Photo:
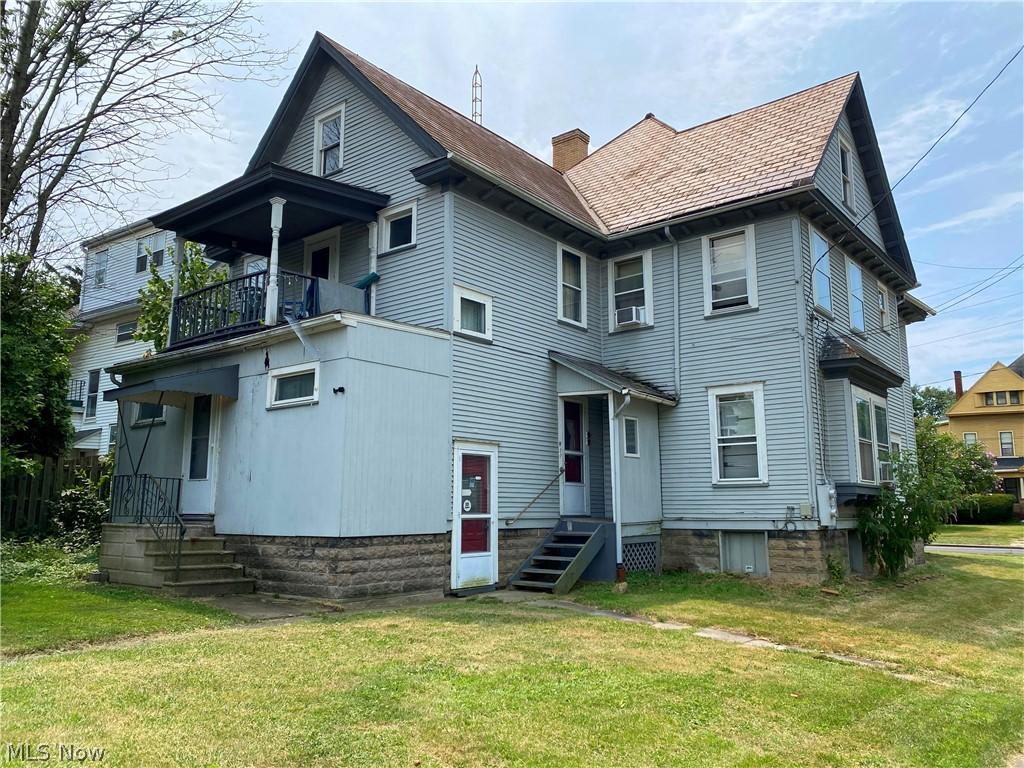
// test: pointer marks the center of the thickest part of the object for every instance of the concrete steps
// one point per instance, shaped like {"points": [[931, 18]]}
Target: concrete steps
{"points": [[210, 587]]}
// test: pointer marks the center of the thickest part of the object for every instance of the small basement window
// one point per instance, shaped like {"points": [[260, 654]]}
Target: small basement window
{"points": [[293, 385], [397, 227], [631, 436], [472, 313]]}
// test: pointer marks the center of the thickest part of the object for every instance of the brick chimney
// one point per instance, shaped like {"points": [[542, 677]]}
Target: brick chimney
{"points": [[568, 149], [958, 384]]}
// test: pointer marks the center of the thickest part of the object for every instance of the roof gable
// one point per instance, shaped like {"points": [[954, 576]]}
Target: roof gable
{"points": [[998, 377]]}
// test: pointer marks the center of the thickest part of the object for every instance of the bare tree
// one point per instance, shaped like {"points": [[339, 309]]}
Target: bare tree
{"points": [[90, 86]]}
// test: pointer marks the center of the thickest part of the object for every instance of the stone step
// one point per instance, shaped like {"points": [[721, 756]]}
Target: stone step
{"points": [[196, 557], [201, 572], [156, 546], [210, 587]]}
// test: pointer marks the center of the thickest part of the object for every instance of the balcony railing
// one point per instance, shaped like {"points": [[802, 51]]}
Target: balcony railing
{"points": [[76, 394], [239, 305]]}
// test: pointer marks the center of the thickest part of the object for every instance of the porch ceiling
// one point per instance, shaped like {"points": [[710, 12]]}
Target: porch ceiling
{"points": [[236, 215]]}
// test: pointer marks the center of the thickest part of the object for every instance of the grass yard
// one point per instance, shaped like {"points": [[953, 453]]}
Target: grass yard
{"points": [[1003, 534], [476, 682]]}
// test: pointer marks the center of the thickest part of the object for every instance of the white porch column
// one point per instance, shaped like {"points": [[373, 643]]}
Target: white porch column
{"points": [[178, 257], [372, 227], [276, 216]]}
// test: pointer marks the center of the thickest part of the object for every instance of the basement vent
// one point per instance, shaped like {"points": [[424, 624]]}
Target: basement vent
{"points": [[640, 556]]}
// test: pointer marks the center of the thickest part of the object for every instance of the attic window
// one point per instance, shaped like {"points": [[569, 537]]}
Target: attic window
{"points": [[330, 135], [846, 170]]}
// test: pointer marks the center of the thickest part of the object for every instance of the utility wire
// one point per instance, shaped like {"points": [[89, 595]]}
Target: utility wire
{"points": [[949, 378], [962, 289], [993, 300], [955, 266], [969, 333], [964, 297]]}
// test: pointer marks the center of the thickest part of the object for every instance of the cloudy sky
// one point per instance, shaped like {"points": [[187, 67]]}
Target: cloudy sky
{"points": [[601, 67]]}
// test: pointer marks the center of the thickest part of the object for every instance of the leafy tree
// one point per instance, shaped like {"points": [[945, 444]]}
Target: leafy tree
{"points": [[155, 296], [932, 401], [35, 345], [939, 455]]}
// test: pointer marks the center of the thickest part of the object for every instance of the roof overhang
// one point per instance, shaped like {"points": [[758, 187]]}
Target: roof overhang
{"points": [[912, 310], [179, 389], [236, 216], [843, 359], [611, 380]]}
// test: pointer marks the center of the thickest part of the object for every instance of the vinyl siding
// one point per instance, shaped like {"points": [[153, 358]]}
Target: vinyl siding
{"points": [[122, 282], [506, 391], [829, 180]]}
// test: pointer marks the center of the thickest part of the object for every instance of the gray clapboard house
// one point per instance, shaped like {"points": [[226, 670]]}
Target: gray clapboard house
{"points": [[441, 363]]}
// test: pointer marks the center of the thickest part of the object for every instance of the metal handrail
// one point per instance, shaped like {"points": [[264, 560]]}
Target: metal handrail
{"points": [[145, 500], [512, 521]]}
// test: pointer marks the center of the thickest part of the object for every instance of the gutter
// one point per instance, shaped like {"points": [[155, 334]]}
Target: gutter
{"points": [[116, 234]]}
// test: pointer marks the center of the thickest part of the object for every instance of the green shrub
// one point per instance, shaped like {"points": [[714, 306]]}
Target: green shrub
{"points": [[47, 561], [985, 508], [81, 509]]}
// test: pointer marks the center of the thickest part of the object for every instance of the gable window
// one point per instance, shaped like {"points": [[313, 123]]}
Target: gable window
{"points": [[1006, 444], [970, 438], [126, 331], [1015, 397], [92, 393], [329, 138], [1000, 398], [630, 292], [883, 308], [855, 294], [738, 449], [872, 424], [148, 413], [472, 313], [149, 249], [846, 170], [99, 270], [630, 436], [397, 226], [293, 385], [822, 271], [572, 287], [730, 272], [990, 398]]}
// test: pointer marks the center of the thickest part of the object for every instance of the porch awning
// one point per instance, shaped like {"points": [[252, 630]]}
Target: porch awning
{"points": [[843, 358], [178, 389], [606, 378]]}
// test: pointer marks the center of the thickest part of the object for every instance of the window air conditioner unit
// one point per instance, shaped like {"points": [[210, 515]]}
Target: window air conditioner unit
{"points": [[629, 316]]}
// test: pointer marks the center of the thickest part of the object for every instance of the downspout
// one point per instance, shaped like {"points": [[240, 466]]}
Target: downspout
{"points": [[805, 364], [613, 444], [675, 307]]}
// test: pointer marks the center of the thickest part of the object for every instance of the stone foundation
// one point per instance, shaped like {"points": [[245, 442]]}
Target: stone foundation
{"points": [[802, 557], [683, 550], [514, 546], [340, 568]]}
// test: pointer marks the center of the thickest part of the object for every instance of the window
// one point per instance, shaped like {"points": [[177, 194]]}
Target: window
{"points": [[822, 271], [1000, 398], [883, 308], [872, 425], [970, 438], [846, 170], [254, 264], [113, 439], [472, 313], [895, 444], [126, 331], [629, 292], [397, 226], [92, 394], [730, 272], [99, 270], [1006, 444], [199, 438], [855, 291], [148, 249], [738, 450], [630, 436], [330, 135], [990, 398], [147, 413], [293, 385], [1015, 397], [572, 287], [320, 256]]}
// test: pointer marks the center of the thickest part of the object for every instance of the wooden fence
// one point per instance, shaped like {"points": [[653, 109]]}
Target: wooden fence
{"points": [[26, 501]]}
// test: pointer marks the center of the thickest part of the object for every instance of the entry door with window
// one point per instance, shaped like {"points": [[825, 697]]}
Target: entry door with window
{"points": [[474, 518], [198, 457], [574, 444]]}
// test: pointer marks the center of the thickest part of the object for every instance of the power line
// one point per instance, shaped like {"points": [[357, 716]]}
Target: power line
{"points": [[961, 335], [955, 266], [964, 297], [993, 300], [949, 378], [931, 297]]}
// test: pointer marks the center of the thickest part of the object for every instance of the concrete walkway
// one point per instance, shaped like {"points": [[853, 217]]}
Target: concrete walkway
{"points": [[975, 549]]}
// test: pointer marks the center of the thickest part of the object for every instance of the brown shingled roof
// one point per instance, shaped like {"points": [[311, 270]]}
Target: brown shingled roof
{"points": [[652, 173], [466, 139]]}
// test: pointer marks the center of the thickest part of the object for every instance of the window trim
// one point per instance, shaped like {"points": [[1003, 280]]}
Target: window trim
{"points": [[648, 273], [251, 259], [625, 442], [582, 322], [117, 332], [90, 394], [970, 433], [150, 240], [873, 400], [850, 266], [287, 372], [1006, 397], [757, 388], [138, 421], [461, 292], [1013, 447], [827, 263], [318, 120], [848, 178], [328, 238], [751, 254], [99, 275], [884, 307], [386, 216]]}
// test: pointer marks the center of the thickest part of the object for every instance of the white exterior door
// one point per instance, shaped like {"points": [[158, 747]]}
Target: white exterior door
{"points": [[574, 458], [198, 462], [475, 517]]}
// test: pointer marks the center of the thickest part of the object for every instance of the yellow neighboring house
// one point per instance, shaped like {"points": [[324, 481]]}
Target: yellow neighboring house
{"points": [[991, 413]]}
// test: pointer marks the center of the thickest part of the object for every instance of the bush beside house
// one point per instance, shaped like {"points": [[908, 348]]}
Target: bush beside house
{"points": [[982, 508]]}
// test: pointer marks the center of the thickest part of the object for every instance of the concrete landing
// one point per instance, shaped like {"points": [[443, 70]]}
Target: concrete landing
{"points": [[259, 607]]}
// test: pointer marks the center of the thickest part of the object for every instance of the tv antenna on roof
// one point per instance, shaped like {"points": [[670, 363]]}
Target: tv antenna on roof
{"points": [[478, 97]]}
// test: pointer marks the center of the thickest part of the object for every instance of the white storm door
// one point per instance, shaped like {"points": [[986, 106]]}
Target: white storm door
{"points": [[475, 517], [198, 457], [574, 444]]}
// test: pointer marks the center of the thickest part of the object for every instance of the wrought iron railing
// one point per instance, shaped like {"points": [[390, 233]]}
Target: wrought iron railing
{"points": [[76, 393], [152, 501], [219, 309]]}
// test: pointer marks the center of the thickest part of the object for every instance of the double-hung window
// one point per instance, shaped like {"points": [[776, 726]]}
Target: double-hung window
{"points": [[572, 287], [738, 447], [125, 331], [397, 227], [1006, 444], [855, 294], [873, 446], [329, 141], [630, 436], [1000, 398], [846, 171], [92, 394], [149, 249], [884, 321], [472, 313], [99, 269], [822, 271], [970, 438], [293, 385], [630, 292], [730, 271]]}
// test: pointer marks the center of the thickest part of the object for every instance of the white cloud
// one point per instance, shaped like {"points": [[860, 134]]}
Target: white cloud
{"points": [[997, 208], [939, 182]]}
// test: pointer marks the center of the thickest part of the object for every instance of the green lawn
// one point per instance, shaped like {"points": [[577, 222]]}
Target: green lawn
{"points": [[475, 682], [1005, 534]]}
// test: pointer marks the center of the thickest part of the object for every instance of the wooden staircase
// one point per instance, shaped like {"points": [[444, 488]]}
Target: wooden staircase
{"points": [[559, 561]]}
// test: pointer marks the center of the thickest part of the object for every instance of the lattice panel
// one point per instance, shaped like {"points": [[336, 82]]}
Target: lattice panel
{"points": [[640, 556]]}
